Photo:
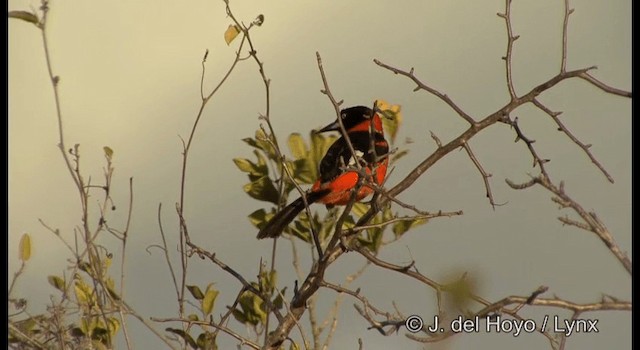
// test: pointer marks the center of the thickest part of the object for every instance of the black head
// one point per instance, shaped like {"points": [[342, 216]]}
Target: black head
{"points": [[351, 117]]}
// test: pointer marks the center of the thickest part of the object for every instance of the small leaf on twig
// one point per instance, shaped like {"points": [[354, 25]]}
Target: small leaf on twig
{"points": [[184, 335], [196, 292], [297, 146], [231, 33], [25, 16], [209, 299], [392, 117], [108, 152], [263, 189], [25, 247], [56, 282]]}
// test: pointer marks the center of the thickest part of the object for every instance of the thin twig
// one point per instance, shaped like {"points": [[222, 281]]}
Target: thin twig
{"points": [[510, 40], [604, 87], [537, 160], [485, 175], [565, 30], [584, 147], [422, 86]]}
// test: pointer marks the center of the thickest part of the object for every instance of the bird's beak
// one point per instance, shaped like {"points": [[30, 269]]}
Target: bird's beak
{"points": [[335, 126]]}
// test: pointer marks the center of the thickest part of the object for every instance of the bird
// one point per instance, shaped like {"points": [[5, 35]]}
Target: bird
{"points": [[338, 174]]}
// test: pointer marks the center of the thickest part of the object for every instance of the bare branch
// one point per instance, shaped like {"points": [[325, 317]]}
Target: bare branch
{"points": [[604, 87], [537, 160], [422, 86], [485, 175], [510, 40], [584, 147], [565, 30]]}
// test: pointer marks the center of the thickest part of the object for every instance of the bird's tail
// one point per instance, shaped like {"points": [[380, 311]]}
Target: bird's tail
{"points": [[284, 217]]}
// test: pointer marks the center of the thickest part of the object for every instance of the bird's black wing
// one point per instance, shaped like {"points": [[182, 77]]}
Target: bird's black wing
{"points": [[339, 155]]}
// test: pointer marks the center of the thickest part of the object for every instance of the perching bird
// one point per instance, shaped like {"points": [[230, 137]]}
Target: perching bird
{"points": [[336, 181]]}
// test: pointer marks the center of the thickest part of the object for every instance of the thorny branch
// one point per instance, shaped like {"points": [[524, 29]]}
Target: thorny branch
{"points": [[591, 221], [485, 175]]}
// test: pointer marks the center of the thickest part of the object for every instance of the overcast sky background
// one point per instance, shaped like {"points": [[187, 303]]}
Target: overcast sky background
{"points": [[130, 79]]}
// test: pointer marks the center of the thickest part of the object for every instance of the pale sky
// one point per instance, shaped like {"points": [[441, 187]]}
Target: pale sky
{"points": [[130, 79]]}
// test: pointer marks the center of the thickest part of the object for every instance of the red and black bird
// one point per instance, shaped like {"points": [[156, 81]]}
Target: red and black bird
{"points": [[336, 182]]}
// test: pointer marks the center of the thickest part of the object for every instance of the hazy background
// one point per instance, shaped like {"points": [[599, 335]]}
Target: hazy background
{"points": [[130, 79]]}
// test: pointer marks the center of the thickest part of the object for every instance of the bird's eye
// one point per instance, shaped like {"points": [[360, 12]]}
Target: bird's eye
{"points": [[343, 115]]}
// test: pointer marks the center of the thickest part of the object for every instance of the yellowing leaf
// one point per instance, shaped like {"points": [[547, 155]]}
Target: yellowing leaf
{"points": [[244, 165], [56, 282], [297, 146], [400, 227], [108, 152], [262, 189], [113, 326], [231, 33], [24, 248], [392, 117], [84, 294], [196, 292], [260, 217], [209, 300]]}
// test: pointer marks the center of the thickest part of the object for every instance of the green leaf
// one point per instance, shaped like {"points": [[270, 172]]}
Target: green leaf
{"points": [[294, 346], [206, 341], [184, 336], [401, 227], [209, 300], [268, 280], [262, 163], [24, 248], [113, 326], [359, 209], [244, 165], [258, 310], [193, 317], [319, 146], [56, 282], [239, 316], [108, 152], [301, 229], [196, 292], [278, 302], [264, 144], [297, 146], [303, 170], [263, 189], [260, 217], [25, 16], [461, 290], [84, 293], [251, 142], [396, 156]]}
